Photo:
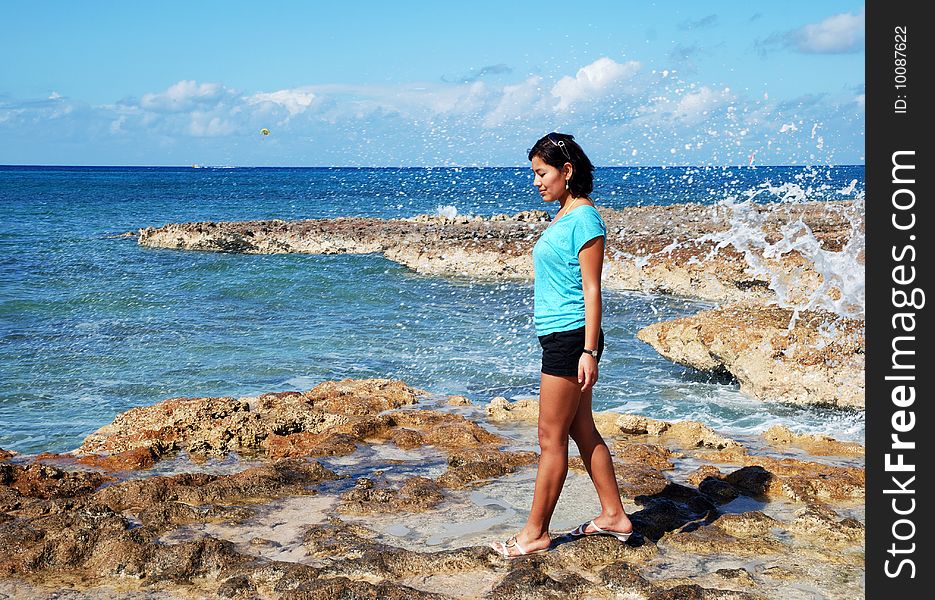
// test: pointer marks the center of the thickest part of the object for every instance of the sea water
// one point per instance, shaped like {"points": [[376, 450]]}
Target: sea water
{"points": [[91, 324]]}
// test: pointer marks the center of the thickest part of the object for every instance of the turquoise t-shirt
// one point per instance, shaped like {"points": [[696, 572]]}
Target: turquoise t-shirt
{"points": [[559, 297]]}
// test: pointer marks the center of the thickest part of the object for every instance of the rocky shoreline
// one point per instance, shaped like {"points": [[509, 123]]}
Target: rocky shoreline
{"points": [[374, 489], [807, 356]]}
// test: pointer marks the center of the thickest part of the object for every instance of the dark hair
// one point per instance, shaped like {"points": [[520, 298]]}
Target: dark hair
{"points": [[556, 149]]}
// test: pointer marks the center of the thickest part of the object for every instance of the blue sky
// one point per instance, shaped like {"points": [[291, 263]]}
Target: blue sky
{"points": [[419, 83]]}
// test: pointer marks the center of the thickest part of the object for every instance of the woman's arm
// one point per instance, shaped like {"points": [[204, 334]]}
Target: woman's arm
{"points": [[591, 257]]}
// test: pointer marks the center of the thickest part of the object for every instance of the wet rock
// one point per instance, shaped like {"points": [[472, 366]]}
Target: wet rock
{"points": [[703, 472], [6, 455], [659, 249], [238, 586], [529, 580], [37, 480], [800, 481], [804, 365], [444, 430], [671, 509], [362, 397], [821, 525], [748, 524], [711, 540], [696, 592], [342, 588], [650, 455], [632, 479], [501, 409], [324, 421], [415, 495], [304, 443], [458, 401], [354, 551], [819, 445], [592, 553], [623, 580], [738, 576], [128, 460], [466, 467], [718, 490], [751, 481], [287, 477]]}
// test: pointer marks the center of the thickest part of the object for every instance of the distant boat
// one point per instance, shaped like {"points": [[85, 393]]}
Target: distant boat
{"points": [[197, 166]]}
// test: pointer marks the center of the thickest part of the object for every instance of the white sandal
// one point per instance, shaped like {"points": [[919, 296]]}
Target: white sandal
{"points": [[582, 531], [503, 548]]}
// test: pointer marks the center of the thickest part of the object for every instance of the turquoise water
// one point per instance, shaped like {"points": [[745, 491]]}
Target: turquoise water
{"points": [[92, 324]]}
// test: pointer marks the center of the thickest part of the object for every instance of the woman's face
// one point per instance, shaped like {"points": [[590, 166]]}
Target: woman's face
{"points": [[548, 180]]}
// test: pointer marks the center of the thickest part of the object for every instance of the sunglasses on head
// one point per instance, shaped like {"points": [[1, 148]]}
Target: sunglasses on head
{"points": [[560, 143]]}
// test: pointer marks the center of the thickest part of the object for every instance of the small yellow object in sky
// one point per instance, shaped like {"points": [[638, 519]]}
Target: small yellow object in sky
{"points": [[264, 131]]}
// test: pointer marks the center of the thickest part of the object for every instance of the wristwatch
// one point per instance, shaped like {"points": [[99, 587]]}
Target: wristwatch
{"points": [[591, 352]]}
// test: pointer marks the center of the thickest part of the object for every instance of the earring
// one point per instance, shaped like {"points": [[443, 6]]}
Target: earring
{"points": [[566, 184]]}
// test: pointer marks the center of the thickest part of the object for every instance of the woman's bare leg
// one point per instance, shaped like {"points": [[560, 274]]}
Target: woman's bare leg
{"points": [[558, 403], [597, 460]]}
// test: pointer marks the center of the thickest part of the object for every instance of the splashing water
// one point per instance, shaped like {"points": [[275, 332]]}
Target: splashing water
{"points": [[840, 273], [447, 211]]}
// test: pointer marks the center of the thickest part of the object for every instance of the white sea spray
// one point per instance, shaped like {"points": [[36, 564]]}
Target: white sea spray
{"points": [[447, 211]]}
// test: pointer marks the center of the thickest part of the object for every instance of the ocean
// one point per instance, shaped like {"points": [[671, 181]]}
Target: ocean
{"points": [[91, 324]]}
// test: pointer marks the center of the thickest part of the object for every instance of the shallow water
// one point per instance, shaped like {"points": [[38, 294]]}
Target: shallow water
{"points": [[91, 325]]}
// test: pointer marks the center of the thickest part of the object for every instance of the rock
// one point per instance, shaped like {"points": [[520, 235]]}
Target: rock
{"points": [[638, 424], [821, 525], [528, 580], [415, 495], [458, 401], [446, 430], [129, 460], [819, 445], [501, 409], [650, 455], [633, 479], [708, 540], [748, 524], [623, 579], [362, 397], [703, 472], [696, 592], [340, 588], [286, 477], [669, 510], [467, 467], [304, 443], [796, 480], [6, 455], [325, 421], [739, 576], [754, 344], [37, 480], [660, 249]]}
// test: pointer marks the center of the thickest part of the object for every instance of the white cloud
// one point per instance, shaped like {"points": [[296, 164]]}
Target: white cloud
{"points": [[295, 101], [699, 104], [206, 125], [592, 81], [614, 108], [516, 102], [183, 96], [837, 34]]}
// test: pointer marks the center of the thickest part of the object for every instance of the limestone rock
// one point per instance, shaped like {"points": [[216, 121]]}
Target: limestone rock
{"points": [[804, 365]]}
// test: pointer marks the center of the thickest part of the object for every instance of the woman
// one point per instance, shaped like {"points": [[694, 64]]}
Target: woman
{"points": [[568, 259]]}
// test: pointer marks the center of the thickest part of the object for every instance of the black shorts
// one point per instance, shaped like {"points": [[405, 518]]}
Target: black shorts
{"points": [[562, 349]]}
